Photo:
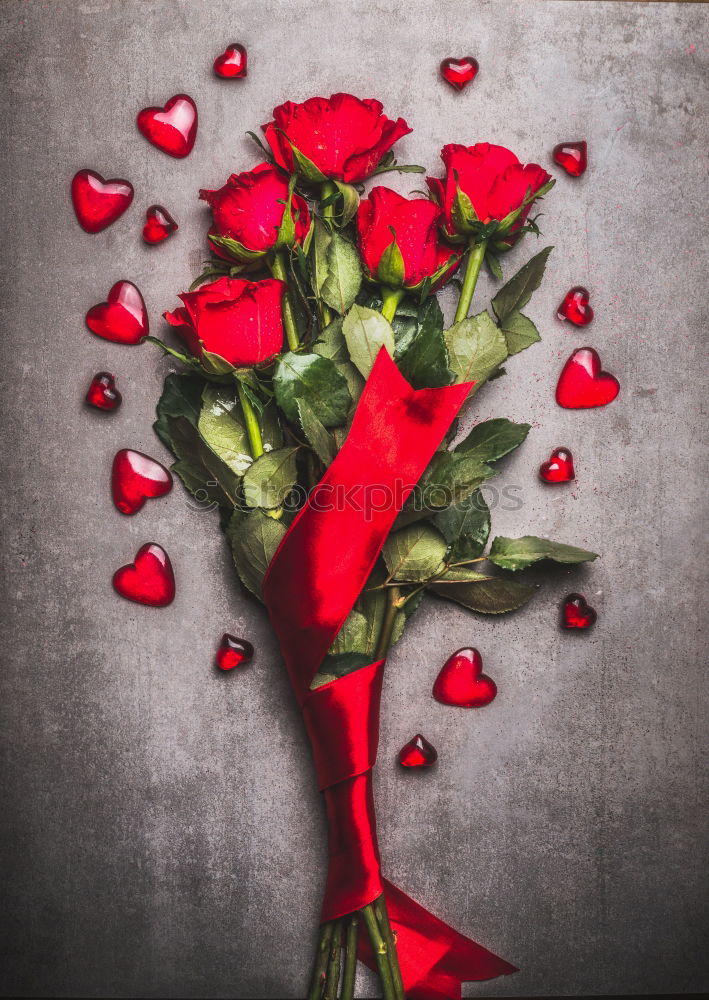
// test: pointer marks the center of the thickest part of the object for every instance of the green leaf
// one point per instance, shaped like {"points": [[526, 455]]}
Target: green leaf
{"points": [[466, 527], [318, 254], [352, 637], [344, 274], [189, 446], [492, 439], [414, 553], [461, 574], [518, 553], [322, 442], [366, 331], [338, 665], [316, 380], [331, 344], [519, 332], [476, 346], [450, 478], [488, 597], [200, 484], [254, 538], [391, 269], [271, 433], [181, 397], [424, 358], [518, 291], [350, 202], [270, 479], [221, 427]]}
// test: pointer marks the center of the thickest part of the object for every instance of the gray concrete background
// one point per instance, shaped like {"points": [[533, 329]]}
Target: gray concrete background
{"points": [[162, 835]]}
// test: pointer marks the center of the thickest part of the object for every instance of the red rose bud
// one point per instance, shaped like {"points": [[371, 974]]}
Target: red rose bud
{"points": [[248, 214], [399, 240], [484, 184], [341, 139], [232, 323]]}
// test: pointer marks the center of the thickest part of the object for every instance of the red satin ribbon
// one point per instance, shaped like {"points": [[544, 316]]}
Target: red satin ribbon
{"points": [[311, 586]]}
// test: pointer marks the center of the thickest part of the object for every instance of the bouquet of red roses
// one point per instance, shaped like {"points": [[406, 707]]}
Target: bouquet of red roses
{"points": [[317, 412]]}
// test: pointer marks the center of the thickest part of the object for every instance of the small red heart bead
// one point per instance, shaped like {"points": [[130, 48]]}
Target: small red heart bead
{"points": [[233, 652], [572, 156], [418, 752], [231, 64], [459, 72], [575, 307], [576, 613], [559, 468], [462, 682], [173, 129], [123, 318], [135, 478], [97, 202], [159, 224], [102, 392], [149, 579], [582, 384]]}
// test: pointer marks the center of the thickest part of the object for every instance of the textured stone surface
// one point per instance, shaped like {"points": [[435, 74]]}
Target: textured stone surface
{"points": [[161, 831]]}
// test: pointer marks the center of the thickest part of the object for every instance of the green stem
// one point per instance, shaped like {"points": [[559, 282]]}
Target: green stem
{"points": [[322, 955], [251, 420], [380, 908], [475, 259], [350, 968], [380, 952], [385, 634], [390, 301], [333, 965], [279, 270]]}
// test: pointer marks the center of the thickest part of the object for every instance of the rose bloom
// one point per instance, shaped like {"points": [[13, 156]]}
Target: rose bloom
{"points": [[494, 180], [343, 138], [385, 216], [237, 320], [249, 210]]}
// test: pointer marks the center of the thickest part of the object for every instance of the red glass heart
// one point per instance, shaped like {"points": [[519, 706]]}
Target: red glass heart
{"points": [[231, 64], [103, 393], [582, 384], [233, 652], [418, 752], [462, 682], [123, 318], [149, 579], [459, 72], [173, 129], [572, 156], [575, 307], [97, 202], [576, 613], [559, 468], [159, 224], [135, 478]]}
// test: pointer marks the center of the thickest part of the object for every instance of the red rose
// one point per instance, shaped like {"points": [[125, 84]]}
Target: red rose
{"points": [[341, 139], [400, 242], [248, 212], [492, 181], [239, 321]]}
